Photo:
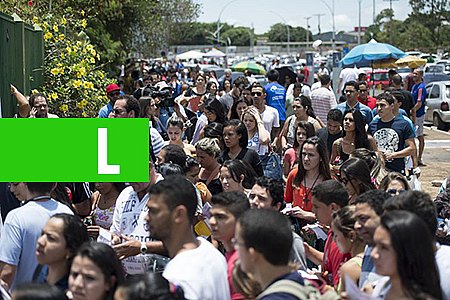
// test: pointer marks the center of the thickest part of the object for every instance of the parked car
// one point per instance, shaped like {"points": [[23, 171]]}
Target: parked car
{"points": [[437, 104], [234, 75], [379, 78]]}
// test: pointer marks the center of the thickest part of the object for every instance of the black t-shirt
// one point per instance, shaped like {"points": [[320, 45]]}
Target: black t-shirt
{"points": [[390, 137], [8, 201], [248, 155], [327, 138], [408, 102]]}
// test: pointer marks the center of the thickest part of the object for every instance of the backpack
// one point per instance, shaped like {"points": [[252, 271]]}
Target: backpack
{"points": [[302, 292]]}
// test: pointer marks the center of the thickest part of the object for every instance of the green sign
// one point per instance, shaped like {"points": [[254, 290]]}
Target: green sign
{"points": [[74, 150]]}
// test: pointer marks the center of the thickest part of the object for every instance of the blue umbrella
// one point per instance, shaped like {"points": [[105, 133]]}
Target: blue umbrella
{"points": [[365, 55]]}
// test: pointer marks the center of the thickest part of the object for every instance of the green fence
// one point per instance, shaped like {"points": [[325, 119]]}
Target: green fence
{"points": [[21, 60]]}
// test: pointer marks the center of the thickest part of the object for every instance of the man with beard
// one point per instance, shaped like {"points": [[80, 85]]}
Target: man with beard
{"points": [[195, 264]]}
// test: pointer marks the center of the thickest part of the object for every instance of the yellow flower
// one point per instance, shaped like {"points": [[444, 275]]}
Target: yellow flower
{"points": [[64, 108], [54, 71], [34, 92], [48, 36], [88, 85], [54, 96], [84, 101], [82, 71], [98, 56], [77, 83], [82, 13], [93, 52], [55, 28], [92, 60], [83, 23], [63, 21], [63, 56], [84, 114], [80, 105], [69, 50], [35, 19], [102, 75], [61, 37]]}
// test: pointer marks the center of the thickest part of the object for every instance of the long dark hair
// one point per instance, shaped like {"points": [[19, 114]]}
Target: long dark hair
{"points": [[309, 128], [361, 139], [240, 128], [324, 165], [74, 232], [356, 168], [216, 107], [236, 168], [234, 114], [305, 101], [413, 244], [105, 258]]}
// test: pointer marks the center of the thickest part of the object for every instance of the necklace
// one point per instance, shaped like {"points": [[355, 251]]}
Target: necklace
{"points": [[308, 191]]}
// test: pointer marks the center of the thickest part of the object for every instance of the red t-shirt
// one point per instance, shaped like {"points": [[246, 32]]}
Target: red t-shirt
{"points": [[333, 259], [297, 195], [231, 258], [370, 102]]}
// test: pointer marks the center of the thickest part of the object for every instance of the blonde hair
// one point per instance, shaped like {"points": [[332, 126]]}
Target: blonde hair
{"points": [[209, 145]]}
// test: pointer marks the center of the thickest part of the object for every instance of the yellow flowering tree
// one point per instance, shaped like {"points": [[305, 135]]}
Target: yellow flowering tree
{"points": [[74, 80]]}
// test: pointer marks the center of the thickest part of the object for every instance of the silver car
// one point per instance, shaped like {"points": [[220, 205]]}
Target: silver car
{"points": [[437, 105]]}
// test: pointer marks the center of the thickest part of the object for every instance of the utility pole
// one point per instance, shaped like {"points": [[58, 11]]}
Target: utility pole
{"points": [[390, 25], [307, 31], [359, 22], [373, 12], [318, 21]]}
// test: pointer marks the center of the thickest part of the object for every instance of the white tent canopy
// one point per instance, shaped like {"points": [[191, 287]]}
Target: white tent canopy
{"points": [[192, 54], [214, 53]]}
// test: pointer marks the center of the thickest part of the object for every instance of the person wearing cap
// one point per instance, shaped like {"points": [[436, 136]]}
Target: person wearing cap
{"points": [[112, 92]]}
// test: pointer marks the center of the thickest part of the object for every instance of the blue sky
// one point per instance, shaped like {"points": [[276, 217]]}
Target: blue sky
{"points": [[260, 13]]}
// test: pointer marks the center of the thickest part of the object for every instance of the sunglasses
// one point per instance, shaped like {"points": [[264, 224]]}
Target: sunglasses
{"points": [[363, 91], [118, 111], [395, 191], [257, 94], [117, 93]]}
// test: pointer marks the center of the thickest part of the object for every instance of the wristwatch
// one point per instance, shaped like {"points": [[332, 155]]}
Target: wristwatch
{"points": [[144, 248]]}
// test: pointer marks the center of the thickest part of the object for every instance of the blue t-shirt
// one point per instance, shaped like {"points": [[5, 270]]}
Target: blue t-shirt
{"points": [[419, 91], [364, 109], [20, 234], [294, 276], [276, 97], [390, 137], [105, 110]]}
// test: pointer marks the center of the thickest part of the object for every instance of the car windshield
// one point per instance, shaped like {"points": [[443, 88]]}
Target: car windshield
{"points": [[379, 76]]}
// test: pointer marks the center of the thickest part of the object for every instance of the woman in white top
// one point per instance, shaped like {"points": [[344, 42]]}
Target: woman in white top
{"points": [[303, 111], [258, 136]]}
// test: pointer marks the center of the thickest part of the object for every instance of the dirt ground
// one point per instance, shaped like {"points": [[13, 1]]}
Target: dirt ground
{"points": [[437, 162]]}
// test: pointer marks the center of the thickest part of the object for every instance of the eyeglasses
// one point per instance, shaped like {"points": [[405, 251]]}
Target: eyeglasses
{"points": [[349, 91], [257, 94], [117, 111]]}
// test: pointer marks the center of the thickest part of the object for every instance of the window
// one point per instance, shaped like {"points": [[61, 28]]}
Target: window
{"points": [[435, 91], [447, 91]]}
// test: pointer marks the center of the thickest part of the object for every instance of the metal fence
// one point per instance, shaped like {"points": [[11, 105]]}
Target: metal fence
{"points": [[21, 60]]}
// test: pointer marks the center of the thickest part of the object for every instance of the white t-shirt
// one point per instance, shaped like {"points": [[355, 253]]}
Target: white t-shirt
{"points": [[270, 118], [129, 220], [348, 74], [442, 256], [201, 272], [20, 232]]}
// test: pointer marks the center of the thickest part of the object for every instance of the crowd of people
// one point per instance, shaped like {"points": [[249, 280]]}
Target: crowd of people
{"points": [[254, 192]]}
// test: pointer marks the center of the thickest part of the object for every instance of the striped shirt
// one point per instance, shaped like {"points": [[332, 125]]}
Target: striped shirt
{"points": [[322, 101]]}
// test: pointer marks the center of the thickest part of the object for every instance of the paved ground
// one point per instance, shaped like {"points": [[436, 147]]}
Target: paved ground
{"points": [[436, 157]]}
